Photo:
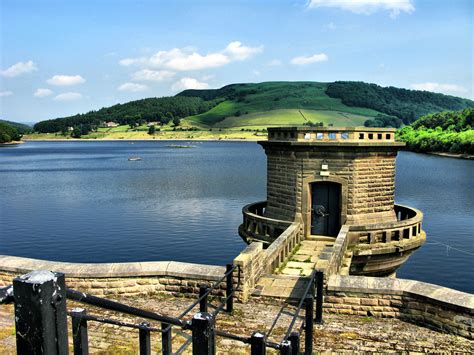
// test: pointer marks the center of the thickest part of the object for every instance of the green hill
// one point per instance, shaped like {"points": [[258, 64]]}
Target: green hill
{"points": [[256, 106], [20, 127], [8, 133]]}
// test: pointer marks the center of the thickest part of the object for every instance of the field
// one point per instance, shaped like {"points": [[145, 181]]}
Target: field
{"points": [[283, 100], [291, 117]]}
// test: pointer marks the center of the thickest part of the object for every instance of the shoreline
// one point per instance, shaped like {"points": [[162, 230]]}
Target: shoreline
{"points": [[11, 143], [452, 155], [144, 140]]}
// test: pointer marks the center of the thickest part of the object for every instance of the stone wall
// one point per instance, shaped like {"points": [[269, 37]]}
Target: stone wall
{"points": [[338, 252], [367, 176], [127, 279], [425, 304], [254, 261]]}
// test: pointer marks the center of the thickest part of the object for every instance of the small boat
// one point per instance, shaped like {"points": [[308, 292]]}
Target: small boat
{"points": [[134, 158], [180, 146]]}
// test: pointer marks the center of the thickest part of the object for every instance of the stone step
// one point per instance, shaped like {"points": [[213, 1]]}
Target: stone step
{"points": [[321, 238]]}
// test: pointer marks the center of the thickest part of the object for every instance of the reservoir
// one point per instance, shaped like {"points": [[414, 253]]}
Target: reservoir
{"points": [[85, 201]]}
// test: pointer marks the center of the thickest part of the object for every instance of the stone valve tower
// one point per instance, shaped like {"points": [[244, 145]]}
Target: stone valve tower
{"points": [[330, 177]]}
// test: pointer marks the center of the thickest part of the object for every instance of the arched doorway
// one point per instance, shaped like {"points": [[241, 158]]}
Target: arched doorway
{"points": [[325, 208]]}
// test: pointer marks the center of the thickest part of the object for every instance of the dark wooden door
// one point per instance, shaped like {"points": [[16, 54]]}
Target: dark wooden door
{"points": [[325, 208]]}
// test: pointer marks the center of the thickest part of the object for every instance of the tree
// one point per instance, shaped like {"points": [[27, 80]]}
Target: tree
{"points": [[152, 130], [8, 133], [176, 121]]}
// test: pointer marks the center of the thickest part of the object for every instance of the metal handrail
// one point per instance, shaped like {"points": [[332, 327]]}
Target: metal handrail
{"points": [[6, 295], [120, 307], [310, 284]]}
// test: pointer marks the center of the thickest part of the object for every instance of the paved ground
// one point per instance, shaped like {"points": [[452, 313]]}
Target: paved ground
{"points": [[307, 257], [339, 333]]}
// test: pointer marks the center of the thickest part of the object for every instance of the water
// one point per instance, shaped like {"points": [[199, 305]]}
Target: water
{"points": [[85, 202]]}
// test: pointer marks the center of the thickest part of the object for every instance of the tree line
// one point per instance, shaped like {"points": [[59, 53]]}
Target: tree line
{"points": [[451, 132], [8, 133], [406, 105], [162, 110]]}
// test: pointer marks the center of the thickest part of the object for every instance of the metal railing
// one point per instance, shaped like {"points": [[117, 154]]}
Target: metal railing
{"points": [[41, 317]]}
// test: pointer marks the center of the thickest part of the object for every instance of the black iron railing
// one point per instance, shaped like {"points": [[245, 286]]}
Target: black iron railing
{"points": [[41, 317]]}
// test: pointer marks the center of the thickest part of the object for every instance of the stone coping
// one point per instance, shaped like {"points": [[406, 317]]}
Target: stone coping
{"points": [[340, 144], [453, 299], [112, 270], [334, 129], [416, 218]]}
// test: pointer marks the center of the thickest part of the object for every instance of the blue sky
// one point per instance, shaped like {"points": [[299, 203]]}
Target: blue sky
{"points": [[60, 58]]}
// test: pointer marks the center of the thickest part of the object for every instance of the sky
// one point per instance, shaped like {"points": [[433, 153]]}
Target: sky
{"points": [[60, 58]]}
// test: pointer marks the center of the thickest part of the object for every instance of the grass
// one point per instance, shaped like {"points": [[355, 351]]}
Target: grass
{"points": [[291, 117], [205, 134], [253, 100]]}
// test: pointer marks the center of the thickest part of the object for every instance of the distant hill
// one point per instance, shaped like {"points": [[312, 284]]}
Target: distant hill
{"points": [[8, 133], [242, 106], [20, 127]]}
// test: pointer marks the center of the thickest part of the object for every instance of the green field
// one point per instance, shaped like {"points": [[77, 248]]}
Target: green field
{"points": [[289, 117], [275, 102]]}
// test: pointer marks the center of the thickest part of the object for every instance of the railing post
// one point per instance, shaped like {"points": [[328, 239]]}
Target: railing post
{"points": [[229, 288], [40, 313], [203, 302], [285, 347], [308, 325], [319, 297], [258, 345], [203, 334], [166, 344], [79, 331], [144, 339], [294, 339]]}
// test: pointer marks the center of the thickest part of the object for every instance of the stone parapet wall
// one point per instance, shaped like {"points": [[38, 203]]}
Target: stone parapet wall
{"points": [[254, 261], [425, 304], [126, 279], [338, 252]]}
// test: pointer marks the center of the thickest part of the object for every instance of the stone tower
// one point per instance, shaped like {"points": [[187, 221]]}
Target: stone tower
{"points": [[329, 177]]}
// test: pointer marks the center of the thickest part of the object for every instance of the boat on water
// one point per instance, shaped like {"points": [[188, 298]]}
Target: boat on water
{"points": [[134, 158], [178, 146]]}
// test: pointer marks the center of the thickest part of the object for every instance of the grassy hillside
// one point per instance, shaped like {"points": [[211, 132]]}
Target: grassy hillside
{"points": [[246, 102], [257, 106]]}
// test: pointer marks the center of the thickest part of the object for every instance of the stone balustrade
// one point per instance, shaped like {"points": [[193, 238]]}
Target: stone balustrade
{"points": [[255, 261], [407, 226], [257, 227], [333, 135]]}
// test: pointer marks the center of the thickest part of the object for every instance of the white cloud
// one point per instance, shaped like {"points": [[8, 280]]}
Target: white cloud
{"points": [[132, 87], [19, 68], [188, 58], [176, 59], [367, 7], [189, 83], [68, 96], [5, 93], [65, 80], [437, 87], [238, 51], [152, 75], [274, 63], [42, 93], [315, 58]]}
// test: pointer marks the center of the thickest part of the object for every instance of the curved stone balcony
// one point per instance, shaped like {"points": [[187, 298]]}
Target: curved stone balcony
{"points": [[257, 227], [379, 249]]}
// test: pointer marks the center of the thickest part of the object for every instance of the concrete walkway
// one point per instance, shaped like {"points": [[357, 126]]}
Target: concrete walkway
{"points": [[290, 281], [308, 256]]}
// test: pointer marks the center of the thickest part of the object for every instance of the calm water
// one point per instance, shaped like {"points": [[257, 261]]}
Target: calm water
{"points": [[85, 202]]}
